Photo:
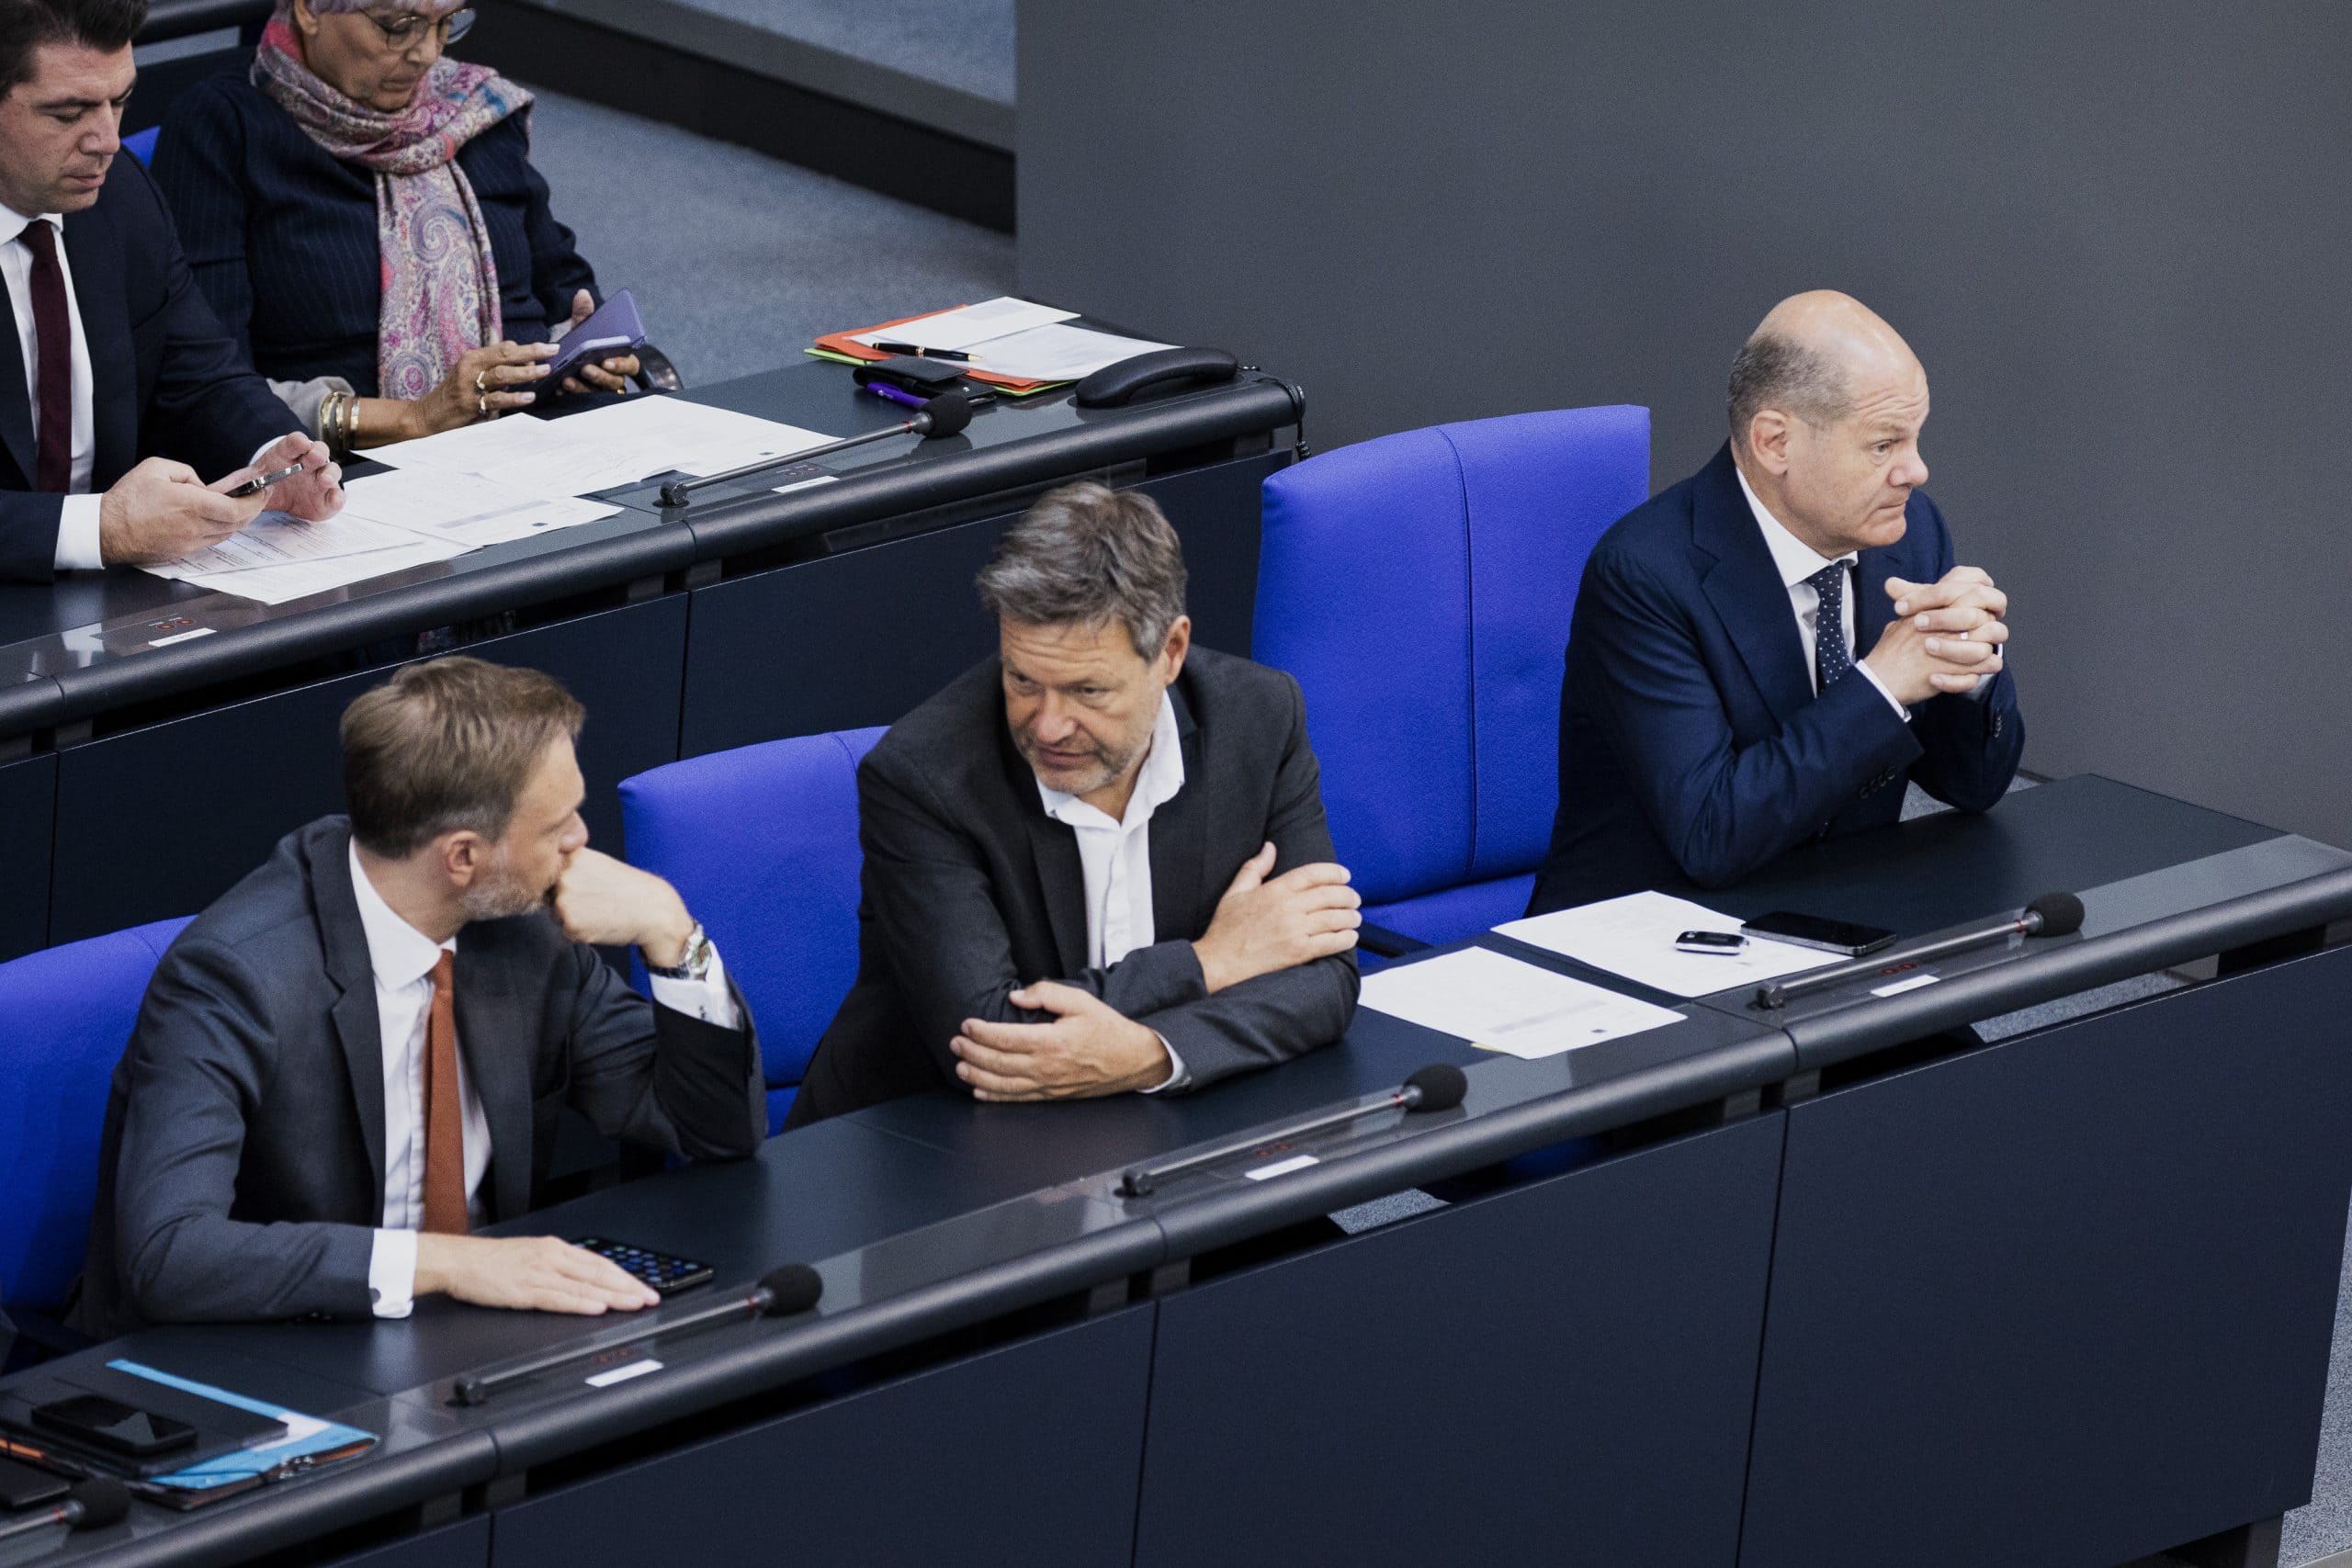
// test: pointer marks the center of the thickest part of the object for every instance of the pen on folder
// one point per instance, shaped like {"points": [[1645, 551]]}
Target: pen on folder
{"points": [[926, 353]]}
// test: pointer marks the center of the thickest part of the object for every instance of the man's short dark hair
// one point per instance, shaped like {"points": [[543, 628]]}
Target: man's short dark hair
{"points": [[26, 25], [1774, 371], [1087, 555], [94, 24], [448, 747]]}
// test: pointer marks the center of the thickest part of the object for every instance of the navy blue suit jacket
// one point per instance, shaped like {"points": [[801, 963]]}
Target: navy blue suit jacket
{"points": [[166, 380], [1692, 747]]}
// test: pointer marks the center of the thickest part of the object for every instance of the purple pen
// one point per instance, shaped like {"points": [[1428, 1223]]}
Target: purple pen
{"points": [[896, 394]]}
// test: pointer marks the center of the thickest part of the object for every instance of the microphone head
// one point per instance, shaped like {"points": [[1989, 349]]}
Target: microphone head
{"points": [[2062, 914], [791, 1288], [103, 1502], [1441, 1084], [949, 412]]}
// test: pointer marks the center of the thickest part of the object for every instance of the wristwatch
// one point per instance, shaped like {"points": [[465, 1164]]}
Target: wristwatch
{"points": [[698, 960]]}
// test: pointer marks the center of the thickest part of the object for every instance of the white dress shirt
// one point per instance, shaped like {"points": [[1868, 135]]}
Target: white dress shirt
{"points": [[1797, 561], [1116, 857], [404, 959], [77, 531]]}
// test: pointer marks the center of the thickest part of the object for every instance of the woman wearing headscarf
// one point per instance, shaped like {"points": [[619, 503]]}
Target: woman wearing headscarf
{"points": [[362, 211]]}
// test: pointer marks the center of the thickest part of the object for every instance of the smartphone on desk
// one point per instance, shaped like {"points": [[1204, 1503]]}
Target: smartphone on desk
{"points": [[1724, 943], [112, 1426], [1848, 937]]}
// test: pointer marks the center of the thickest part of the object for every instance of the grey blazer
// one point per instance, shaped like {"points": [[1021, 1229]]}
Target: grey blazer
{"points": [[242, 1160], [971, 891]]}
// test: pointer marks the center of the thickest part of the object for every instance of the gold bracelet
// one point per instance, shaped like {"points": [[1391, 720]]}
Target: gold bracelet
{"points": [[326, 418], [351, 426]]}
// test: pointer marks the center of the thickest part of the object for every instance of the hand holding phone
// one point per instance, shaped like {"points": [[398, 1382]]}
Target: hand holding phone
{"points": [[261, 482]]}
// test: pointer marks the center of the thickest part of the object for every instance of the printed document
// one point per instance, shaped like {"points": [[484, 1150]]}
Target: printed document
{"points": [[968, 326], [1498, 1003], [463, 507], [1634, 936]]}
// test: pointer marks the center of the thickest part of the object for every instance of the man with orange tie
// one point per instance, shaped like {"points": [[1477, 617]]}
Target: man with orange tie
{"points": [[356, 1055]]}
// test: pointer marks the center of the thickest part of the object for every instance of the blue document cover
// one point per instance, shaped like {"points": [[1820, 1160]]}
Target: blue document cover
{"points": [[308, 1439]]}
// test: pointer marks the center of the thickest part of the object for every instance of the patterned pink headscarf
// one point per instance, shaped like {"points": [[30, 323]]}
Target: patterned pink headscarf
{"points": [[440, 280]]}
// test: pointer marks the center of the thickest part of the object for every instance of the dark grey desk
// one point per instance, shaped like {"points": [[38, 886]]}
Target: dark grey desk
{"points": [[154, 740], [1805, 1292]]}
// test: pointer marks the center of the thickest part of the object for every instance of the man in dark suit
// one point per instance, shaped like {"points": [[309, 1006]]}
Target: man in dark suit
{"points": [[1714, 715], [1096, 864], [119, 356], [357, 1054]]}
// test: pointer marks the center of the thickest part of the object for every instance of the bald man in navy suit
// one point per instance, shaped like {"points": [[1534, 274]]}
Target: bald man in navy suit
{"points": [[1719, 709]]}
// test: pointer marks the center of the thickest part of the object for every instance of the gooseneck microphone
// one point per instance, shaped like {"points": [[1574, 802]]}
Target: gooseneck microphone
{"points": [[92, 1506], [781, 1292], [942, 415], [2053, 914], [1438, 1087]]}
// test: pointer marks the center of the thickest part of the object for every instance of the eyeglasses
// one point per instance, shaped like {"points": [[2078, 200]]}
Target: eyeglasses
{"points": [[403, 30]]}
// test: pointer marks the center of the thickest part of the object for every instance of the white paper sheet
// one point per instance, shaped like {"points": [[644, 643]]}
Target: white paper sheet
{"points": [[604, 449], [968, 325], [1056, 353], [471, 510], [1498, 1003], [301, 579], [276, 539], [1634, 936]]}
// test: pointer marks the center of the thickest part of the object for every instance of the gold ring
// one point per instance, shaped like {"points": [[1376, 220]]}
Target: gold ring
{"points": [[482, 408], [478, 385]]}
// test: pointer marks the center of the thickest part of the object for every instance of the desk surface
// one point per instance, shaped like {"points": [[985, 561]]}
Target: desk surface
{"points": [[88, 642], [933, 1213]]}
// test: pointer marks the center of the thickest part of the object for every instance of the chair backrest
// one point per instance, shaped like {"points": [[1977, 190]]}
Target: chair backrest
{"points": [[65, 1015], [762, 842], [141, 144], [1419, 586]]}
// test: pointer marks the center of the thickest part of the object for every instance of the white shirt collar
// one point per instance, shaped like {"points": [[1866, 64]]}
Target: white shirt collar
{"points": [[1161, 776], [14, 224], [400, 953], [1796, 559]]}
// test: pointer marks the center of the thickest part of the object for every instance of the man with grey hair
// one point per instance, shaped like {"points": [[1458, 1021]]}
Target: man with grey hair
{"points": [[1717, 710], [1096, 864]]}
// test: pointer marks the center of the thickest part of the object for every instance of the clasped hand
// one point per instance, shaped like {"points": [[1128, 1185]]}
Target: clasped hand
{"points": [[1947, 636]]}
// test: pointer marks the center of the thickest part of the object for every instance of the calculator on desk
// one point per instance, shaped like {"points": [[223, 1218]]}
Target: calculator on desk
{"points": [[666, 1274]]}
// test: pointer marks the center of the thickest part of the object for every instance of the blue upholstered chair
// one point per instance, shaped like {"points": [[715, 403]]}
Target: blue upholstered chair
{"points": [[1419, 586], [762, 842], [141, 144], [65, 1015]]}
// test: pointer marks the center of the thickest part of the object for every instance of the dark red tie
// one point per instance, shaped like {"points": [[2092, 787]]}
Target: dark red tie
{"points": [[53, 332], [445, 1127]]}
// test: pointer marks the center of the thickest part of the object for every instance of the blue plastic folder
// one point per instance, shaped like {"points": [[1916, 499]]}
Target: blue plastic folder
{"points": [[307, 1440]]}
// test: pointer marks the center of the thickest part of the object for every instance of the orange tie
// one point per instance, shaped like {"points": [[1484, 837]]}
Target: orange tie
{"points": [[445, 1127]]}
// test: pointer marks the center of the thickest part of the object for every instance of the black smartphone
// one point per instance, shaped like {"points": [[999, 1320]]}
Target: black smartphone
{"points": [[261, 482], [668, 1275], [1710, 942], [1815, 930], [27, 1486], [113, 1425]]}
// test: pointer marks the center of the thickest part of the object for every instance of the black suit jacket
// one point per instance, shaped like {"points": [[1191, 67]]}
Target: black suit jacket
{"points": [[242, 1168], [971, 891], [1692, 747], [165, 380]]}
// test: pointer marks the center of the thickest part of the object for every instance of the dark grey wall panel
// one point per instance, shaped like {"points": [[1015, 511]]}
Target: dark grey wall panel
{"points": [[2074, 1291], [241, 777], [857, 638], [28, 818], [1027, 1454], [1559, 1374], [2097, 224]]}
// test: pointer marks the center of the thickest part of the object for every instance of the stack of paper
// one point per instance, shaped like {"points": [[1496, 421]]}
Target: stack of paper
{"points": [[1015, 339], [1498, 1003], [1634, 936], [483, 484]]}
